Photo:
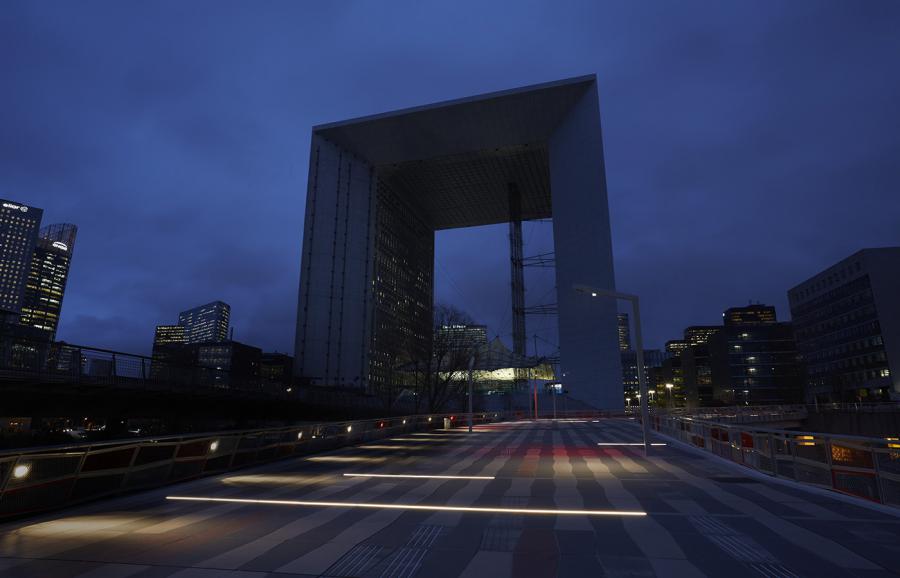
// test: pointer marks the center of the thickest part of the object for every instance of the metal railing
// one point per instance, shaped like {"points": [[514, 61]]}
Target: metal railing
{"points": [[40, 479], [31, 361], [864, 467], [741, 414]]}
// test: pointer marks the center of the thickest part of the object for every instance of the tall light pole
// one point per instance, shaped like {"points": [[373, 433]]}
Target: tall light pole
{"points": [[669, 387], [639, 350], [471, 365]]}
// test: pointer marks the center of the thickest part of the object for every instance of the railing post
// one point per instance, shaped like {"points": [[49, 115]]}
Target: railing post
{"points": [[878, 481], [773, 455]]}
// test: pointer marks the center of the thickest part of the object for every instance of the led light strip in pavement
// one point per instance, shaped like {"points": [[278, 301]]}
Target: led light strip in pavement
{"points": [[535, 511], [627, 444], [419, 476]]}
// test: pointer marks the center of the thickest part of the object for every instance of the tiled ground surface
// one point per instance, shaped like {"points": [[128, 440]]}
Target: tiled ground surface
{"points": [[704, 517]]}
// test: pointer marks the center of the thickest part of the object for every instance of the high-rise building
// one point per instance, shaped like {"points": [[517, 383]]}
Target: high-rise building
{"points": [[698, 334], [47, 277], [751, 358], [694, 370], [624, 332], [653, 359], [19, 226], [206, 323], [378, 190], [847, 325], [277, 367], [463, 337], [674, 347], [753, 314], [232, 362], [169, 335], [754, 359]]}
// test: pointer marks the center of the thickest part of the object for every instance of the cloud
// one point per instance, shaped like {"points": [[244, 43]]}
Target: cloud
{"points": [[747, 146]]}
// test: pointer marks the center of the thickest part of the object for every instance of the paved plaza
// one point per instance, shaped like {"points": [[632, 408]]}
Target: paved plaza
{"points": [[516, 499]]}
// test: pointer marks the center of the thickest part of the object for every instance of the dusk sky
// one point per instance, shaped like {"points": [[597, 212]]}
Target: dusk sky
{"points": [[748, 145]]}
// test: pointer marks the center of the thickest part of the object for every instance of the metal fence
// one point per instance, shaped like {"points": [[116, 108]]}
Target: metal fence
{"points": [[45, 478], [29, 360], [867, 468]]}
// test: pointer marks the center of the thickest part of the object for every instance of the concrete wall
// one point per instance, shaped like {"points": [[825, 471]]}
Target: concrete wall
{"points": [[334, 312], [590, 365]]}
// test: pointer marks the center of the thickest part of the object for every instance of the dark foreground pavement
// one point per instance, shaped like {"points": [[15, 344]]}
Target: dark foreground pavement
{"points": [[703, 517]]}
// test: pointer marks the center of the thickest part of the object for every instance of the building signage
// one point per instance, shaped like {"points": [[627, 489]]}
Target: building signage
{"points": [[60, 245], [15, 207]]}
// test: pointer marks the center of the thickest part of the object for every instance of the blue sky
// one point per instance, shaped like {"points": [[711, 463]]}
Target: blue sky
{"points": [[748, 144]]}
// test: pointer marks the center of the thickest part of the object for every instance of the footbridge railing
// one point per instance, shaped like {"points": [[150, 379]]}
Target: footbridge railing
{"points": [[864, 467], [36, 479]]}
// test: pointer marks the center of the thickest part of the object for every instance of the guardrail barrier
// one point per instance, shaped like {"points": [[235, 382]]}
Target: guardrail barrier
{"points": [[864, 467], [37, 479]]}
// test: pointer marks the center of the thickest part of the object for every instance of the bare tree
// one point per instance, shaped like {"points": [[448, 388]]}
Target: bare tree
{"points": [[451, 349], [432, 371]]}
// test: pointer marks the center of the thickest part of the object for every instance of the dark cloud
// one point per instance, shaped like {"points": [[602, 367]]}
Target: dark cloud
{"points": [[747, 145]]}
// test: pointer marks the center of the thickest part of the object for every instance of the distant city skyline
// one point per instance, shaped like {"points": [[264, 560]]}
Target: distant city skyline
{"points": [[747, 147]]}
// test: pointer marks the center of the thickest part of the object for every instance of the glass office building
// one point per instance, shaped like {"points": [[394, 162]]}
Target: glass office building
{"points": [[206, 323], [19, 225], [48, 273]]}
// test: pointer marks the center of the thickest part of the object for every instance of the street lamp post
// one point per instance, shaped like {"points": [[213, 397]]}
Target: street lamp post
{"points": [[471, 365], [669, 387], [639, 350]]}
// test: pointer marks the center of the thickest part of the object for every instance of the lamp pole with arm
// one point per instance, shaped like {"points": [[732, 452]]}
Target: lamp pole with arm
{"points": [[639, 350]]}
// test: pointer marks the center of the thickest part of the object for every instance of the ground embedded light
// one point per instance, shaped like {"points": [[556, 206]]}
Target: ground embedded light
{"points": [[300, 435], [390, 506], [21, 470], [349, 428], [436, 477], [214, 445], [627, 444]]}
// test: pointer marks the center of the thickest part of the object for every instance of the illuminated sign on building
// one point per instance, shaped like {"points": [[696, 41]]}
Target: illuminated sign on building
{"points": [[60, 245], [22, 208]]}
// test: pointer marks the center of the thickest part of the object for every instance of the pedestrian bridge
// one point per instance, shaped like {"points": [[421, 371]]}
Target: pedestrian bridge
{"points": [[571, 497]]}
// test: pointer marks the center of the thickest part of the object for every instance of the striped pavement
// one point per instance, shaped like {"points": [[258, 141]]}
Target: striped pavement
{"points": [[516, 499]]}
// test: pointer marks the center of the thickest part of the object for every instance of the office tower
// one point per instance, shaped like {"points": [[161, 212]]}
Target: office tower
{"points": [[47, 277], [624, 332], [698, 334], [692, 372], [169, 335], [170, 354], [847, 324], [19, 226], [754, 359], [232, 363], [753, 314], [653, 359], [206, 323], [277, 367], [378, 190], [462, 337], [674, 347]]}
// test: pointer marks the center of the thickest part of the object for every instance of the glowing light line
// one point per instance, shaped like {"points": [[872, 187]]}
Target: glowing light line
{"points": [[534, 511], [627, 444], [419, 476]]}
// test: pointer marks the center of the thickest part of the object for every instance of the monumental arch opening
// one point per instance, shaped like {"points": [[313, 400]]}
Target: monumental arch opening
{"points": [[380, 186]]}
